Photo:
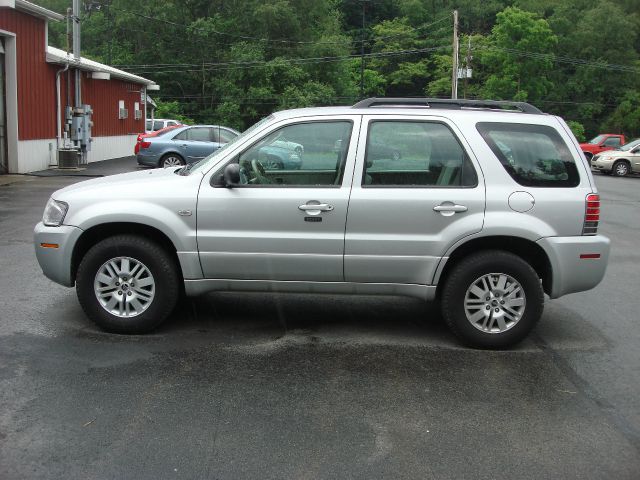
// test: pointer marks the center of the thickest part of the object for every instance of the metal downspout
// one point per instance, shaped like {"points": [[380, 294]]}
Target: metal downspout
{"points": [[58, 106]]}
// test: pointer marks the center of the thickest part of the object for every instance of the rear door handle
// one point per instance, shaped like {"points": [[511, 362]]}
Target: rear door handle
{"points": [[449, 208]]}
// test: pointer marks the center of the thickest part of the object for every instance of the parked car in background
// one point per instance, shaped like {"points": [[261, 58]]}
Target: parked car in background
{"points": [[275, 157], [157, 133], [619, 162], [377, 151], [153, 125], [183, 145], [283, 143], [602, 143]]}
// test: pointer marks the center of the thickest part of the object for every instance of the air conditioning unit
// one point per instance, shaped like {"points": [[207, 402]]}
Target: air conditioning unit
{"points": [[123, 113], [68, 158], [138, 114]]}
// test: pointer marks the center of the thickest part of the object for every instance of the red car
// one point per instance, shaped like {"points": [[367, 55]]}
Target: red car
{"points": [[157, 133], [601, 143]]}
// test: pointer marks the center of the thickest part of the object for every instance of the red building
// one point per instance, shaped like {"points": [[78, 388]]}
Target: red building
{"points": [[34, 93]]}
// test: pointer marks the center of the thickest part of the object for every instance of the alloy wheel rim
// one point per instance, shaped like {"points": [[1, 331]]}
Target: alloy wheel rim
{"points": [[621, 169], [494, 303], [124, 287], [171, 162]]}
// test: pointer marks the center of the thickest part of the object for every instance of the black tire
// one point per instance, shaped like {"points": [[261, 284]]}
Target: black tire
{"points": [[157, 260], [168, 156], [620, 168], [470, 269]]}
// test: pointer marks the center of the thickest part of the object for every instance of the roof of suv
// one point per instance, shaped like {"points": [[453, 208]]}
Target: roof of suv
{"points": [[413, 106]]}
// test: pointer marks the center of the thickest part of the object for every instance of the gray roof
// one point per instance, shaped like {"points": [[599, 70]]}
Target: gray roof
{"points": [[37, 10], [55, 55]]}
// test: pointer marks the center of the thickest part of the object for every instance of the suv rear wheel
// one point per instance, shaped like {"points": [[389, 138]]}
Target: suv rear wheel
{"points": [[127, 284], [492, 299]]}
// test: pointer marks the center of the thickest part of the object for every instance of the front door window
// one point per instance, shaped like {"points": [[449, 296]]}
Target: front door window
{"points": [[304, 154]]}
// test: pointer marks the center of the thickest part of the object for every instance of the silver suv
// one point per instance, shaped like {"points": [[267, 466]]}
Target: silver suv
{"points": [[487, 207]]}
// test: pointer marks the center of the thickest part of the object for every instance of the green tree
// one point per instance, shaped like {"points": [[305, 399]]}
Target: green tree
{"points": [[578, 130], [519, 56], [626, 117], [173, 111], [219, 61]]}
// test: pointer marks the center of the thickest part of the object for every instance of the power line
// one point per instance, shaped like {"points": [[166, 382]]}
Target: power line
{"points": [[181, 68], [563, 59], [281, 41]]}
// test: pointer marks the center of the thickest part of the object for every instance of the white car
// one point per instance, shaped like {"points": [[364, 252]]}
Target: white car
{"points": [[619, 162], [153, 125]]}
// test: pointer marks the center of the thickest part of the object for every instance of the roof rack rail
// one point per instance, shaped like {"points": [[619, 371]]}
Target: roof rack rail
{"points": [[449, 104]]}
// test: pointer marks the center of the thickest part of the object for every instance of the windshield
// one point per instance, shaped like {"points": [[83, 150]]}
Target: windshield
{"points": [[630, 145], [202, 164], [596, 140]]}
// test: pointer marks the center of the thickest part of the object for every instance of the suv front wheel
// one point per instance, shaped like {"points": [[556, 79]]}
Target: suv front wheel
{"points": [[127, 284], [492, 299]]}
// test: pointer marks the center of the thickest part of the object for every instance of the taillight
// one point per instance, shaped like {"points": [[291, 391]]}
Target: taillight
{"points": [[591, 214], [145, 144], [139, 137]]}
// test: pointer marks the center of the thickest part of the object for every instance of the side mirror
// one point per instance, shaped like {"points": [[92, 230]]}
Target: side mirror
{"points": [[231, 175]]}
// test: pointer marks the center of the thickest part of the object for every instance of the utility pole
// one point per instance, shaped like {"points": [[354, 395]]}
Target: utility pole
{"points": [[76, 52], [467, 67], [454, 69], [362, 55]]}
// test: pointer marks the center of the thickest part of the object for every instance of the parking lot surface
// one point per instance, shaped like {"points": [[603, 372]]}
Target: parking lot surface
{"points": [[294, 386]]}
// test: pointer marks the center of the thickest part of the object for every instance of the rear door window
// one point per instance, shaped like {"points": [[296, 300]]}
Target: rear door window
{"points": [[226, 136], [533, 155], [415, 154], [199, 134]]}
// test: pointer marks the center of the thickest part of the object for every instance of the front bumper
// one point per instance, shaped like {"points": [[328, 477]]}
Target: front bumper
{"points": [[601, 166], [571, 273], [56, 262]]}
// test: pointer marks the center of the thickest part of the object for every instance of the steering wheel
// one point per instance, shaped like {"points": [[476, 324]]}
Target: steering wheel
{"points": [[258, 169]]}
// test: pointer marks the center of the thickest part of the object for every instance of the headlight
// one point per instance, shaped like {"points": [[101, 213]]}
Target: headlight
{"points": [[606, 159], [54, 213]]}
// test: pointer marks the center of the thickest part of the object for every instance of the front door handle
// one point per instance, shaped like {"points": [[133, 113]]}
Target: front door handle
{"points": [[449, 208], [315, 208]]}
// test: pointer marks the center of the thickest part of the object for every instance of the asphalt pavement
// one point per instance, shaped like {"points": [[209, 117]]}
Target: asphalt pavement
{"points": [[257, 386]]}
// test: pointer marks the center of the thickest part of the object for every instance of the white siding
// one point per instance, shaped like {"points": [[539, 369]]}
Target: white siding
{"points": [[105, 148], [34, 155]]}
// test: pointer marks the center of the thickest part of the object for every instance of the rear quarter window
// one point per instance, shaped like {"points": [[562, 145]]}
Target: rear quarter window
{"points": [[533, 155]]}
